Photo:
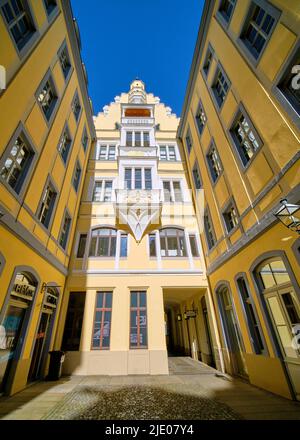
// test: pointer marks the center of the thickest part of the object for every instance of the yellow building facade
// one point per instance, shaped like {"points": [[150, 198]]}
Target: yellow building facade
{"points": [[137, 289], [46, 132], [240, 134]]}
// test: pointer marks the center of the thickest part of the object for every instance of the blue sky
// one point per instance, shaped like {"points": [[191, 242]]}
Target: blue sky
{"points": [[150, 39]]}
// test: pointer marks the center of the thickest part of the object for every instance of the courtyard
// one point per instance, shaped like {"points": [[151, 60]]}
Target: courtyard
{"points": [[192, 391]]}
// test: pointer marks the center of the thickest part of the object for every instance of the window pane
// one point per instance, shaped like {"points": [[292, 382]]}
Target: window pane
{"points": [[81, 245], [152, 245], [133, 299], [194, 247], [267, 276], [163, 153], [167, 191], [279, 271], [148, 178], [172, 155], [100, 300], [103, 246], [177, 191], [137, 138], [128, 178], [138, 178], [123, 246]]}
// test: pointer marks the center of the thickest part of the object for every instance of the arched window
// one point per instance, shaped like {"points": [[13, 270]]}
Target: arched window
{"points": [[103, 242], [172, 242], [282, 307], [281, 300]]}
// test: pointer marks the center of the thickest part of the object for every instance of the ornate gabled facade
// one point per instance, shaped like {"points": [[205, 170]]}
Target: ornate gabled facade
{"points": [[136, 267]]}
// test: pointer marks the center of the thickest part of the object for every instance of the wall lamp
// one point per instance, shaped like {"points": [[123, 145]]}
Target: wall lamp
{"points": [[289, 215]]}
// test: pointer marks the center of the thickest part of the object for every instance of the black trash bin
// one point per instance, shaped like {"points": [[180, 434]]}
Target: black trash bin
{"points": [[56, 360]]}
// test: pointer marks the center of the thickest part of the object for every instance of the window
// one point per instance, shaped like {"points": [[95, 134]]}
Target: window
{"points": [[84, 139], [102, 191], [231, 217], [152, 245], [111, 152], [245, 138], [74, 319], [47, 204], [81, 246], [214, 163], [50, 6], [103, 243], [189, 142], [64, 60], [208, 60], [196, 176], [19, 21], [172, 191], [194, 246], [77, 175], [220, 86], [102, 321], [226, 9], [148, 178], [65, 231], [137, 139], [252, 321], [287, 84], [124, 245], [64, 145], [138, 320], [209, 231], [76, 107], [258, 27], [167, 152], [106, 152], [172, 243], [16, 163], [200, 118], [47, 97], [138, 178], [129, 138]]}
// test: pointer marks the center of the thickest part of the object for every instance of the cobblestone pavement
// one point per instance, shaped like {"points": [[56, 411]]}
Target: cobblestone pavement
{"points": [[191, 391]]}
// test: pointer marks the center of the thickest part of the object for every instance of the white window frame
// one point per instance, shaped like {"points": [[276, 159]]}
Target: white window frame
{"points": [[102, 192], [142, 168], [167, 146], [106, 145], [172, 198]]}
